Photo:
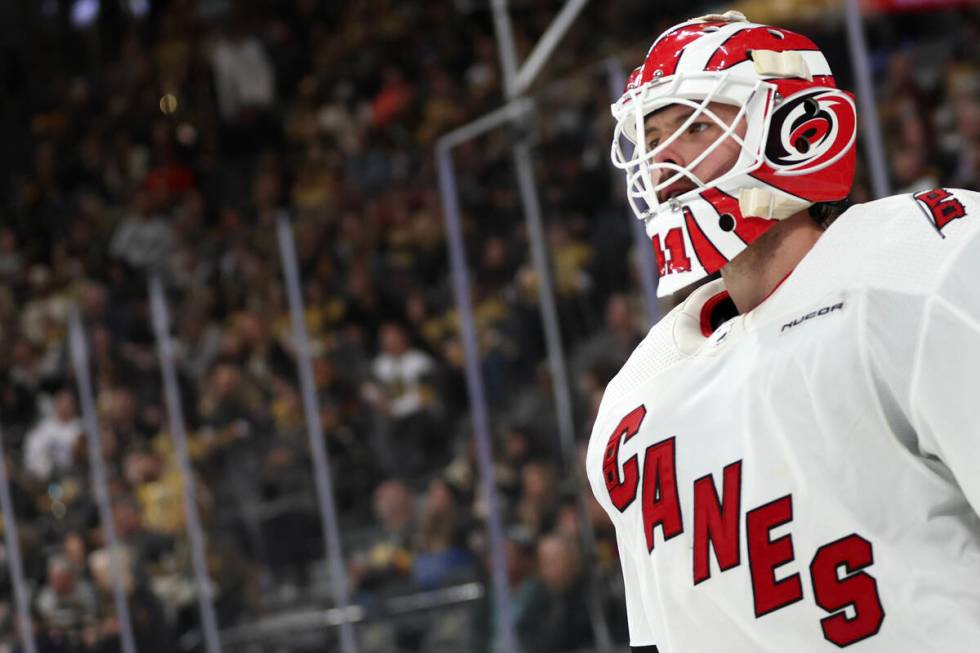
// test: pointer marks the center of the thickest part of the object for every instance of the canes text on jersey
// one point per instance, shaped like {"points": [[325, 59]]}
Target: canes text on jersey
{"points": [[717, 523]]}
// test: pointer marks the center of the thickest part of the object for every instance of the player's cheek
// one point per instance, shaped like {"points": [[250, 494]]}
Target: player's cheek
{"points": [[728, 153]]}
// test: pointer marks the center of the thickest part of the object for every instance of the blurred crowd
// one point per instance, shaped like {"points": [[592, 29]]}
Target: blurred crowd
{"points": [[169, 137]]}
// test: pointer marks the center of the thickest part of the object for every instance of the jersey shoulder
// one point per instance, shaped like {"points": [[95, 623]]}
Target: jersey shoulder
{"points": [[900, 243], [673, 339], [933, 211], [677, 335]]}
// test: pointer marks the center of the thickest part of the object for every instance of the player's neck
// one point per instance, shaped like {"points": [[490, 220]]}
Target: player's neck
{"points": [[752, 275]]}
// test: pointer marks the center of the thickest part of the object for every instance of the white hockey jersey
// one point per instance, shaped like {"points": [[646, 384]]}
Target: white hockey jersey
{"points": [[807, 476]]}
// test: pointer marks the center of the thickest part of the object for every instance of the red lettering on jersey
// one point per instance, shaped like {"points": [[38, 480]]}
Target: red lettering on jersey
{"points": [[661, 506], [717, 526], [766, 555], [678, 261], [858, 589], [943, 207], [717, 521], [622, 491]]}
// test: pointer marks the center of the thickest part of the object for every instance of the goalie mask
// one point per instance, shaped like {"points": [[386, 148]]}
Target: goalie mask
{"points": [[793, 129]]}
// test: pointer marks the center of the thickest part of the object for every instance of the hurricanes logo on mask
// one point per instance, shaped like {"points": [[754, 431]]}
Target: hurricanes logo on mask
{"points": [[810, 130]]}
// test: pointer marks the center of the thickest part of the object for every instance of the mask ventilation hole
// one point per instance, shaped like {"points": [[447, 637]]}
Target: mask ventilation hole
{"points": [[777, 34], [726, 221]]}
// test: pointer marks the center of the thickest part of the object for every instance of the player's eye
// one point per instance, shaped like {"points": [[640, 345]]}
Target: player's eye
{"points": [[698, 127], [694, 128]]}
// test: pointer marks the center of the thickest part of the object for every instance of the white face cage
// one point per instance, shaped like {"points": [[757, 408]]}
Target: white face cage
{"points": [[629, 151]]}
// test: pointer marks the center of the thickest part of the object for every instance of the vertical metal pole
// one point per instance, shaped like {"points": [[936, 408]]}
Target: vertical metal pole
{"points": [[513, 85], [644, 250], [868, 116], [100, 482], [560, 383], [546, 299], [21, 593], [506, 49], [175, 412], [321, 467], [478, 401]]}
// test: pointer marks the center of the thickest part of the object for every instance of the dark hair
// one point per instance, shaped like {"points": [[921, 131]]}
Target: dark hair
{"points": [[824, 213]]}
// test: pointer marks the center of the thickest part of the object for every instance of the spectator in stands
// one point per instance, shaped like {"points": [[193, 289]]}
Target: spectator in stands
{"points": [[75, 552], [144, 239], [284, 480], [443, 557], [384, 567], [351, 456], [963, 142], [196, 344], [911, 170], [537, 507], [23, 381], [535, 404], [156, 483], [146, 548], [568, 519], [402, 390], [66, 604], [609, 347], [231, 406], [562, 621], [516, 449], [526, 594], [246, 87], [244, 76], [11, 260], [100, 569], [121, 412], [150, 629], [50, 446], [366, 301]]}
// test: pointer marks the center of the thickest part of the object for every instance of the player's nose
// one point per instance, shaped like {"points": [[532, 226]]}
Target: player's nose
{"points": [[659, 174], [669, 153]]}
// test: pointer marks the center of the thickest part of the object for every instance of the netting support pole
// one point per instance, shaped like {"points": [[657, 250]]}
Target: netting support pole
{"points": [[178, 433], [100, 481], [314, 428], [868, 115], [507, 637], [508, 113], [644, 249], [22, 596], [560, 383], [516, 82], [506, 49]]}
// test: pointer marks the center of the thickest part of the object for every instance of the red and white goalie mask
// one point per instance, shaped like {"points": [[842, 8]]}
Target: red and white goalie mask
{"points": [[762, 100]]}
